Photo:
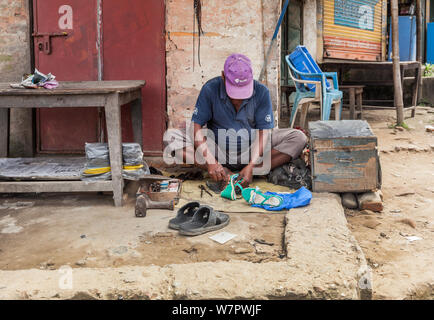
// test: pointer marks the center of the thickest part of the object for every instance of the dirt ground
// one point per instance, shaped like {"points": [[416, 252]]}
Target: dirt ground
{"points": [[401, 268], [49, 231]]}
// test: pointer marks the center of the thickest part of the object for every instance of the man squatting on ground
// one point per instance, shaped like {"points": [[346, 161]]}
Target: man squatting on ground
{"points": [[237, 111]]}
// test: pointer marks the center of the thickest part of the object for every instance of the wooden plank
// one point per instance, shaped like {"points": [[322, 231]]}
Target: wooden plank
{"points": [[352, 96], [113, 120], [416, 90], [359, 103], [81, 87], [55, 186], [58, 101], [4, 132]]}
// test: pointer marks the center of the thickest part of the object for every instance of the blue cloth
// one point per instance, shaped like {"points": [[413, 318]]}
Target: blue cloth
{"points": [[214, 108], [300, 198]]}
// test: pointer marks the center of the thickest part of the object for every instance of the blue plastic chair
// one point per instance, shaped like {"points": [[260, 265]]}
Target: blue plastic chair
{"points": [[312, 87]]}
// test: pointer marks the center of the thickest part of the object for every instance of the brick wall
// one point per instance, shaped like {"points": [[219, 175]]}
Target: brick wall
{"points": [[244, 26], [14, 39], [14, 62]]}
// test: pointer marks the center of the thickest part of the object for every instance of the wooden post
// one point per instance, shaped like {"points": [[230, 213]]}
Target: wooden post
{"points": [[399, 103], [419, 31]]}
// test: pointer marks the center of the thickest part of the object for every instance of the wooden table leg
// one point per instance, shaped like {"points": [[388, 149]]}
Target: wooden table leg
{"points": [[416, 90], [136, 119], [352, 96], [4, 132], [114, 135], [359, 103]]}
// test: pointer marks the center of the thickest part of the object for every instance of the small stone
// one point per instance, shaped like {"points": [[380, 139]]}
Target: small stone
{"points": [[120, 250], [83, 236], [349, 200], [370, 201], [411, 147], [242, 250], [382, 234], [395, 211], [397, 148], [80, 263], [399, 128]]}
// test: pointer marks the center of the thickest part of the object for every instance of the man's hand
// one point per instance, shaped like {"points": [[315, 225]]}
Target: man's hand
{"points": [[217, 172], [246, 175]]}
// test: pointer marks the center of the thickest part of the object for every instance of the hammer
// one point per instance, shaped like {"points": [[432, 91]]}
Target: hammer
{"points": [[143, 203]]}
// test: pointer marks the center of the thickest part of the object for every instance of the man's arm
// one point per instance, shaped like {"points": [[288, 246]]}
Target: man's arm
{"points": [[215, 169]]}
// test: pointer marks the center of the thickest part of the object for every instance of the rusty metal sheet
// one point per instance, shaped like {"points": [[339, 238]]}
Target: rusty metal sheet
{"points": [[134, 48], [106, 40], [72, 58], [353, 29]]}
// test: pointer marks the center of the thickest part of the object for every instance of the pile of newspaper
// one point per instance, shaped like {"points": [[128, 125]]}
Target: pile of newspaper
{"points": [[37, 80]]}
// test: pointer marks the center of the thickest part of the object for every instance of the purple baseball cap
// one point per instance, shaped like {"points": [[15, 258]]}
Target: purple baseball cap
{"points": [[239, 76]]}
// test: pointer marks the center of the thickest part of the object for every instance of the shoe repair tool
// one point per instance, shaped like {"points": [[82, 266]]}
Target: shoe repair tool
{"points": [[262, 241], [143, 203], [216, 186], [202, 189]]}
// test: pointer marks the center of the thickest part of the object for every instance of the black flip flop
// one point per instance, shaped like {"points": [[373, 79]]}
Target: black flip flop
{"points": [[182, 216], [204, 220]]}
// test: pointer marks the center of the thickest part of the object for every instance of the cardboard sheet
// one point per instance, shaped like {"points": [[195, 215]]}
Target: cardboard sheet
{"points": [[191, 192]]}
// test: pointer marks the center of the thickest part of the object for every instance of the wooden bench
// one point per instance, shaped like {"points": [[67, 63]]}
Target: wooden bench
{"points": [[110, 95], [355, 93]]}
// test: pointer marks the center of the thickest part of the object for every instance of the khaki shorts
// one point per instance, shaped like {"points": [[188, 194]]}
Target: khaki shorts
{"points": [[287, 141]]}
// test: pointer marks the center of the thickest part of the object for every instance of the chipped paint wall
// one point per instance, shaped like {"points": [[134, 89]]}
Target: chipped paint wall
{"points": [[244, 26], [14, 62]]}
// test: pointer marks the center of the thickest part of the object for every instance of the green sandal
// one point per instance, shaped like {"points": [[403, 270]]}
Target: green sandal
{"points": [[230, 191], [254, 196]]}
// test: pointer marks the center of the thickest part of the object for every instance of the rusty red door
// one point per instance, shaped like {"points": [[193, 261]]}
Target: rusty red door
{"points": [[134, 49], [108, 40], [73, 57]]}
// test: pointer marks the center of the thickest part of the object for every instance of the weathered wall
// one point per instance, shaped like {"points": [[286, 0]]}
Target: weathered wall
{"points": [[244, 26], [14, 62], [310, 26]]}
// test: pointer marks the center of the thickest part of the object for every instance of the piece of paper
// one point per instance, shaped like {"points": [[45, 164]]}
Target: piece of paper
{"points": [[413, 238], [223, 237]]}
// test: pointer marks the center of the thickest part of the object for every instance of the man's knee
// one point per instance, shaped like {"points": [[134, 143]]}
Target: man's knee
{"points": [[291, 142]]}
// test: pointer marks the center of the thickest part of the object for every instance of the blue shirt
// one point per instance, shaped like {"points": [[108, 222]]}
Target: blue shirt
{"points": [[215, 109]]}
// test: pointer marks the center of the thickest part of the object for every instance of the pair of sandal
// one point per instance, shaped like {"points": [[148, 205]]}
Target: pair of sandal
{"points": [[194, 219], [253, 196]]}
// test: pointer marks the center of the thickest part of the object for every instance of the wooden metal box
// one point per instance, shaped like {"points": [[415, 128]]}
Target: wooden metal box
{"points": [[344, 156]]}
